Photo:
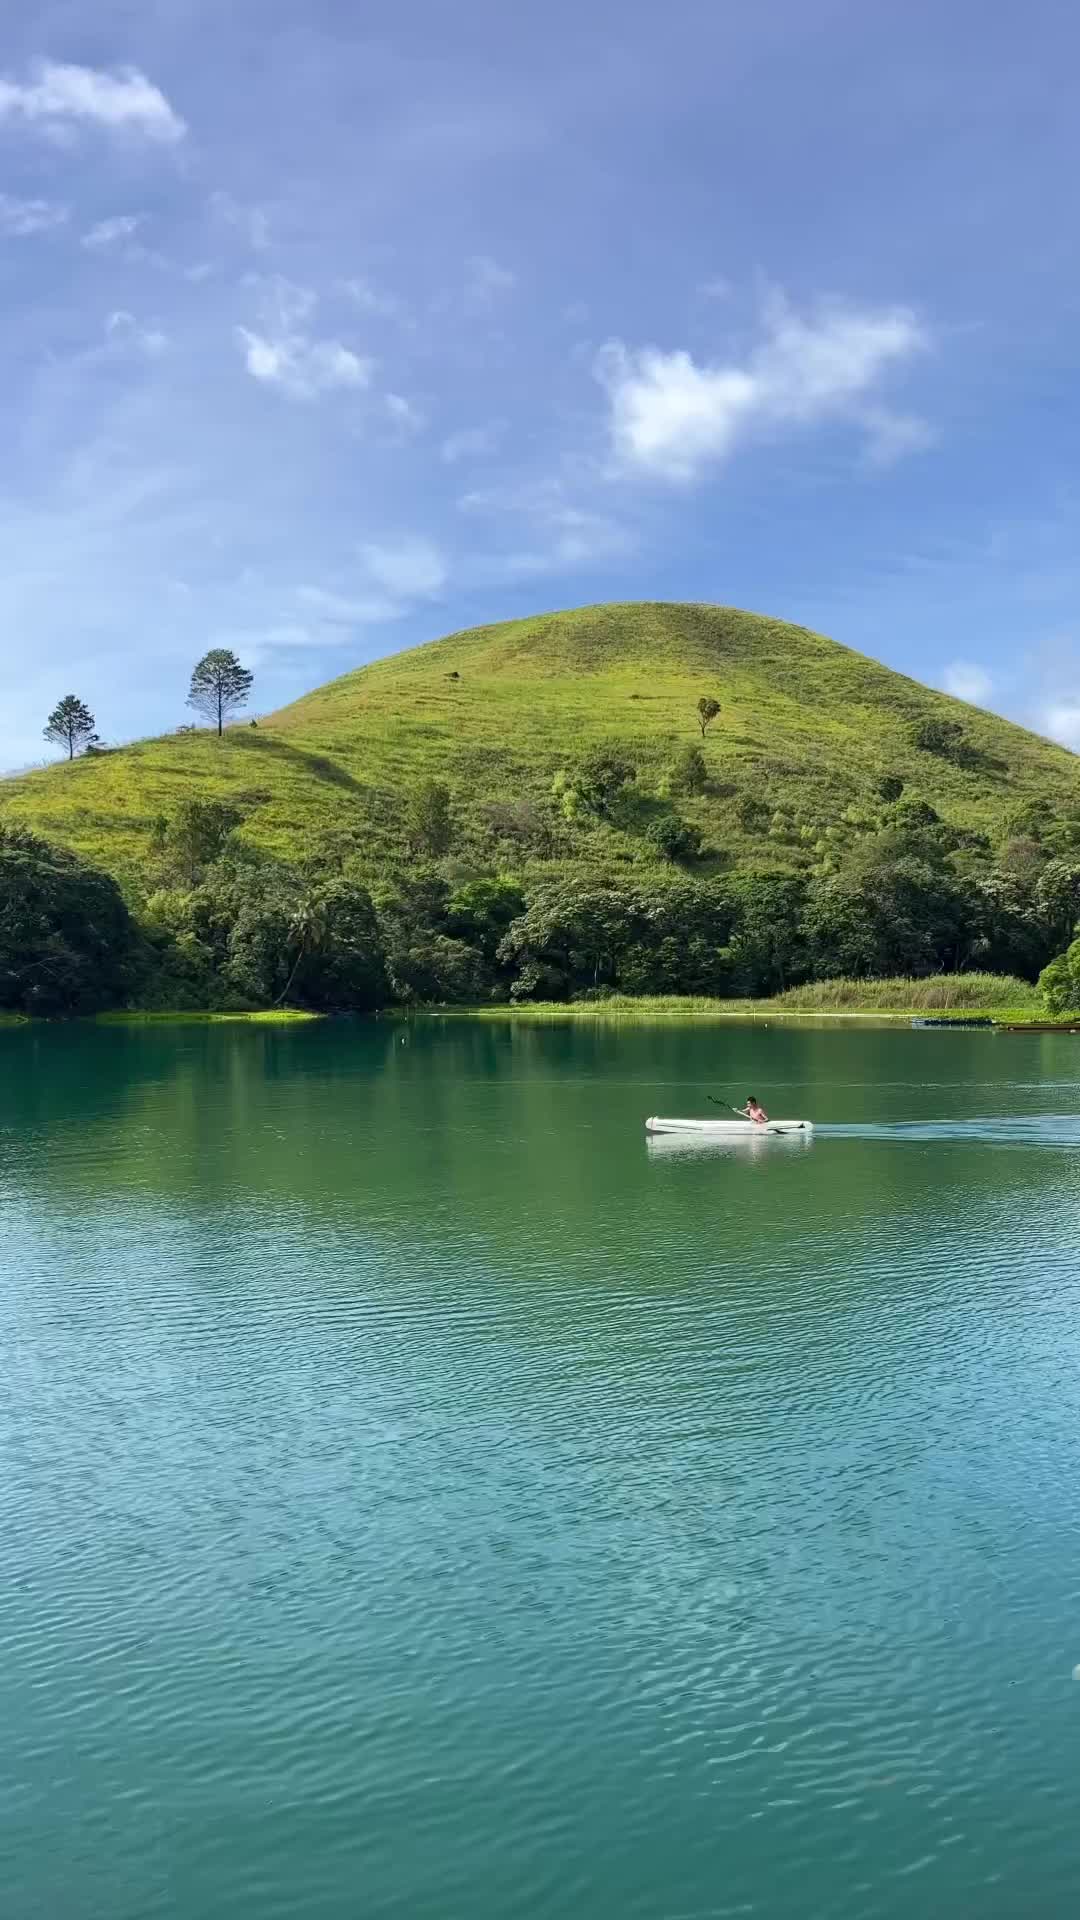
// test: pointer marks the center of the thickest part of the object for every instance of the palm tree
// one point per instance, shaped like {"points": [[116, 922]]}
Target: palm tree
{"points": [[307, 926]]}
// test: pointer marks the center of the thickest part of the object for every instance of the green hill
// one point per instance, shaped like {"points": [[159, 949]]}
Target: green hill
{"points": [[807, 728]]}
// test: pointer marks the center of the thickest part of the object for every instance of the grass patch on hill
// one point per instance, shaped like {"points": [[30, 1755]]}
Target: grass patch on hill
{"points": [[807, 728]]}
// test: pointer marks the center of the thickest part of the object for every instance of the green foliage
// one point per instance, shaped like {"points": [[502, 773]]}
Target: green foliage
{"points": [[945, 738], [707, 711], [936, 993], [1057, 898], [480, 911], [429, 819], [326, 791], [425, 960], [1059, 983], [596, 784], [688, 773], [219, 686], [70, 725], [674, 838], [256, 934], [751, 812], [808, 726], [196, 835], [912, 816], [579, 934], [67, 944]]}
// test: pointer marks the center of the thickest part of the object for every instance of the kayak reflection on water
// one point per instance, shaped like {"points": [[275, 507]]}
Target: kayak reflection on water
{"points": [[749, 1143]]}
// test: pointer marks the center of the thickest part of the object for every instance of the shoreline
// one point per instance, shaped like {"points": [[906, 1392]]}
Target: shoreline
{"points": [[568, 1012]]}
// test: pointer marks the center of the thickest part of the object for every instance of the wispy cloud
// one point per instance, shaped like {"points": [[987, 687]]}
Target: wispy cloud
{"points": [[57, 98], [404, 414], [487, 281], [347, 611], [892, 436], [251, 222], [284, 354], [124, 332], [406, 566], [376, 301], [112, 232], [20, 218], [391, 578], [551, 531], [472, 443], [671, 417], [968, 681]]}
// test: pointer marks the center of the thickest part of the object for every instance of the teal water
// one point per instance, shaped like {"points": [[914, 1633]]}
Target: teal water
{"points": [[419, 1498]]}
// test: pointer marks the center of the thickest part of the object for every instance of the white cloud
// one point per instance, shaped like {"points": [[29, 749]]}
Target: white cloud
{"points": [[108, 233], [124, 331], [1060, 721], [472, 443], [282, 354], [302, 368], [406, 568], [968, 681], [59, 96], [671, 417], [404, 414], [19, 218]]}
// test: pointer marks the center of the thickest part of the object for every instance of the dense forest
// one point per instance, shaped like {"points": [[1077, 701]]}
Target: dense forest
{"points": [[219, 924]]}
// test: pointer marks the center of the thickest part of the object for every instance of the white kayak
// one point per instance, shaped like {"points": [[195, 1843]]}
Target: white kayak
{"points": [[724, 1129]]}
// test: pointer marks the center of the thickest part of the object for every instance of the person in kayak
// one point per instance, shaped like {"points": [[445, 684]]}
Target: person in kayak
{"points": [[752, 1111]]}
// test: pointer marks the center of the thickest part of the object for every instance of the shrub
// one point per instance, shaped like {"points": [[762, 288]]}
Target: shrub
{"points": [[675, 838], [688, 773]]}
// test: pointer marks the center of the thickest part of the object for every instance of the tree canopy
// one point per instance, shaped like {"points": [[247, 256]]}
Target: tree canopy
{"points": [[67, 942], [220, 686], [70, 725]]}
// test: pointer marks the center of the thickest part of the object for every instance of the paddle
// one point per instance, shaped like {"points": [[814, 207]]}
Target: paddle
{"points": [[763, 1126]]}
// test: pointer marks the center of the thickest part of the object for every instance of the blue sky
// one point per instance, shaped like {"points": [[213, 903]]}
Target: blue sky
{"points": [[330, 328]]}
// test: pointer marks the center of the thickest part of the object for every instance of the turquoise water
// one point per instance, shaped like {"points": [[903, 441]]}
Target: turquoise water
{"points": [[420, 1498]]}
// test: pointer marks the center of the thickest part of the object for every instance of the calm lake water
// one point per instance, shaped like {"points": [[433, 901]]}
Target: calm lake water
{"points": [[420, 1499]]}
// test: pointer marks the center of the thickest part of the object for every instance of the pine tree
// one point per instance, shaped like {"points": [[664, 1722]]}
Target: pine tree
{"points": [[219, 686], [71, 724]]}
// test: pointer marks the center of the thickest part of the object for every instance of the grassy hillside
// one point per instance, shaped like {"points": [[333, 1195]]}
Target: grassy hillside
{"points": [[806, 725]]}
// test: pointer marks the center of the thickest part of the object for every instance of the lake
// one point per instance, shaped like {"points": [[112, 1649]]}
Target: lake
{"points": [[420, 1498]]}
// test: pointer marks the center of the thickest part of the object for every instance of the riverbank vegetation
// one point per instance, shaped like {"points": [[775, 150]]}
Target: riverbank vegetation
{"points": [[639, 801], [940, 993]]}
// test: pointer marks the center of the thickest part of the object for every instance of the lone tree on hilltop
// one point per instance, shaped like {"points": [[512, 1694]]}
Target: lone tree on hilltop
{"points": [[219, 686], [707, 709], [71, 725]]}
